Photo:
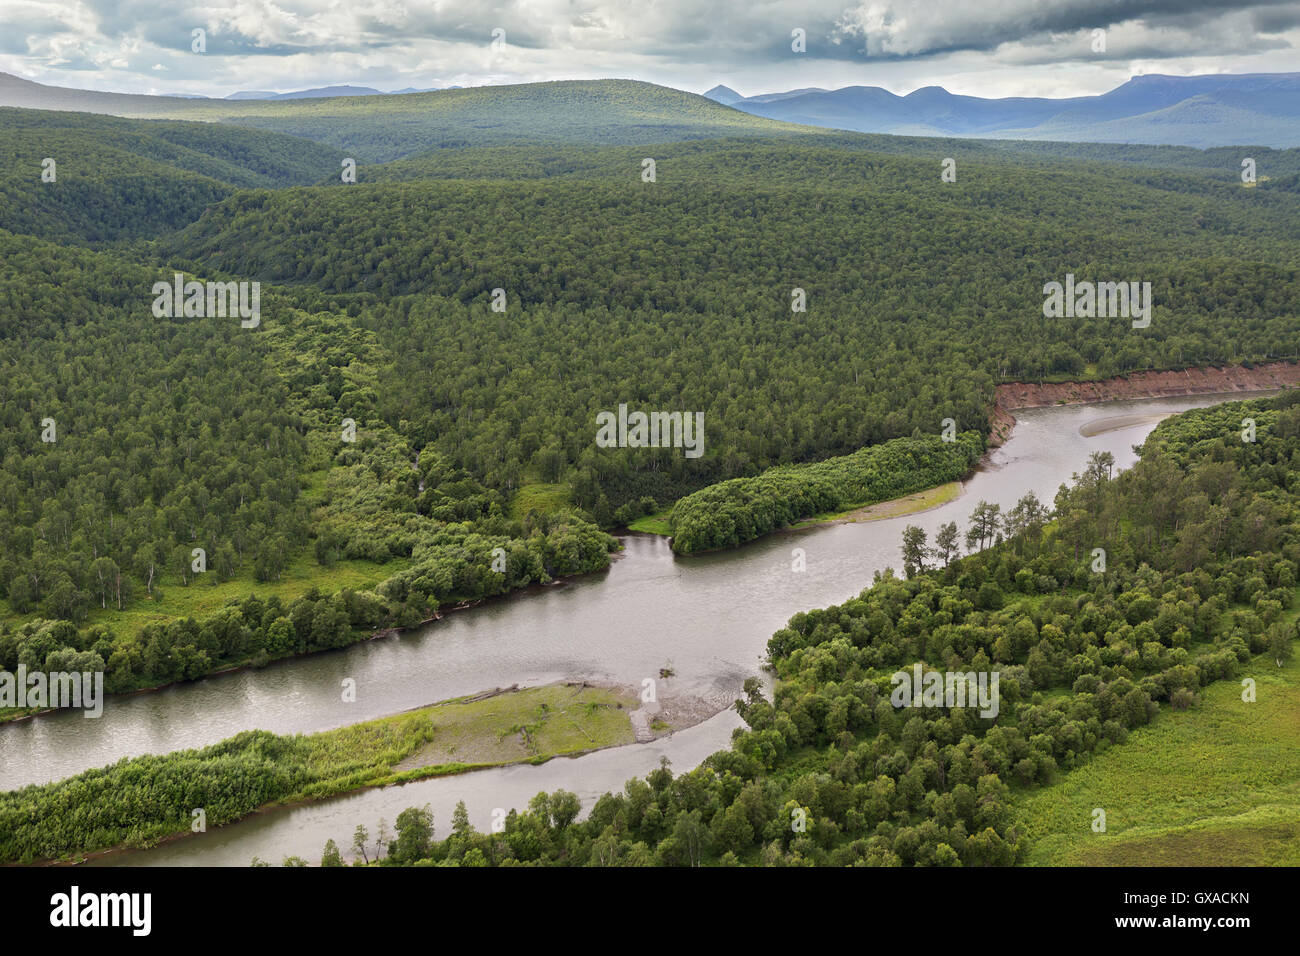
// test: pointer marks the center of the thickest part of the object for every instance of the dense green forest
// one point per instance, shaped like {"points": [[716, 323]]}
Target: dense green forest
{"points": [[678, 294], [1199, 585], [117, 179], [179, 433], [733, 512], [168, 435]]}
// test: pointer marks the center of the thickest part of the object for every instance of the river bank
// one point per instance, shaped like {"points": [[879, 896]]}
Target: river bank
{"points": [[1204, 380], [493, 729], [11, 715], [707, 620]]}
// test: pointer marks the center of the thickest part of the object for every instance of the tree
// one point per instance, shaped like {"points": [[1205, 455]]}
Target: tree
{"points": [[360, 837], [1279, 643], [564, 808], [460, 825], [414, 832], [945, 547], [106, 576], [914, 550], [1024, 522], [983, 527], [331, 856]]}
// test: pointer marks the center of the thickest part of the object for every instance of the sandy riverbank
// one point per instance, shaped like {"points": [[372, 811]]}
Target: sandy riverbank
{"points": [[1208, 380]]}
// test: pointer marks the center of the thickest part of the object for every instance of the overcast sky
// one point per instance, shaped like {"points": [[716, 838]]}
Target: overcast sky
{"points": [[980, 47]]}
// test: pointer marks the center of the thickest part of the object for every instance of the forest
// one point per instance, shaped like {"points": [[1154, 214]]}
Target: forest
{"points": [[733, 512], [182, 495], [1199, 586]]}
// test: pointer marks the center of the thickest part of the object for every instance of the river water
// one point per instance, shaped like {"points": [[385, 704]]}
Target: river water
{"points": [[707, 616]]}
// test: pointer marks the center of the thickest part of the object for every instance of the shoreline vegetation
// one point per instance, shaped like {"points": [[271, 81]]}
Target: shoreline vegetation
{"points": [[1193, 632], [266, 771], [740, 510], [1169, 383], [1204, 380], [17, 714], [1147, 686], [1013, 396], [917, 502]]}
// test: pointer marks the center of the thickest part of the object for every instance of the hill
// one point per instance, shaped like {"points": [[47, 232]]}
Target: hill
{"points": [[386, 126], [117, 178]]}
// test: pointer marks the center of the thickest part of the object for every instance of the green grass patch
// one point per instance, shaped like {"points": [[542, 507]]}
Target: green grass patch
{"points": [[653, 524], [1218, 784], [542, 498], [140, 801], [894, 508], [521, 725]]}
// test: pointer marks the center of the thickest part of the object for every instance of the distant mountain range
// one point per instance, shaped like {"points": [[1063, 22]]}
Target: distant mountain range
{"points": [[324, 91], [1260, 109], [1200, 111]]}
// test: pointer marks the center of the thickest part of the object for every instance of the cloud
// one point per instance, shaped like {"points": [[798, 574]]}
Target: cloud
{"points": [[290, 44]]}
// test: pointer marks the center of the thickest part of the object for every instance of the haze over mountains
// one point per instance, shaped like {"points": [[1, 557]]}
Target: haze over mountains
{"points": [[1199, 111], [1215, 110], [383, 127]]}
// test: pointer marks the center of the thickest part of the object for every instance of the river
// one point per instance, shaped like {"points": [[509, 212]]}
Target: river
{"points": [[707, 616]]}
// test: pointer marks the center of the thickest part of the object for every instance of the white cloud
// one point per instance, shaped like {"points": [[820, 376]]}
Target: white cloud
{"points": [[994, 47]]}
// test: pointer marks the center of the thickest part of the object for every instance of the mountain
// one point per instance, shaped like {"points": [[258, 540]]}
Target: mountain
{"points": [[724, 95], [316, 93], [329, 91], [381, 127], [1213, 110], [769, 97]]}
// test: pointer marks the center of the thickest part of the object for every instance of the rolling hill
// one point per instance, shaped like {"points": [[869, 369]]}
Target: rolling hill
{"points": [[383, 127], [121, 178]]}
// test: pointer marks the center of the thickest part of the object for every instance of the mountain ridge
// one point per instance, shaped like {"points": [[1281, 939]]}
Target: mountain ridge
{"points": [[1200, 110]]}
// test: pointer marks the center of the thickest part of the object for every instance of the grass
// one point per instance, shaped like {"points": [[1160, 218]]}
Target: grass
{"points": [[653, 524], [1215, 785], [523, 725], [256, 770], [906, 505], [540, 497], [206, 595]]}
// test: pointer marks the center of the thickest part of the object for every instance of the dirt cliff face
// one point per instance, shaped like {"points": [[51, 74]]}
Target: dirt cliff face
{"points": [[1193, 381]]}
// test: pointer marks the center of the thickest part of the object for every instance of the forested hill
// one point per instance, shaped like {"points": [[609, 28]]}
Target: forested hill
{"points": [[806, 295], [119, 178], [385, 127], [677, 294]]}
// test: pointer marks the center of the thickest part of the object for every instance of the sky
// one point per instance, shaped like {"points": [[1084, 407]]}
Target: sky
{"points": [[976, 47]]}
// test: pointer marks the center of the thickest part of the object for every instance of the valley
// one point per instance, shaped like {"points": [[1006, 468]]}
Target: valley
{"points": [[267, 425]]}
